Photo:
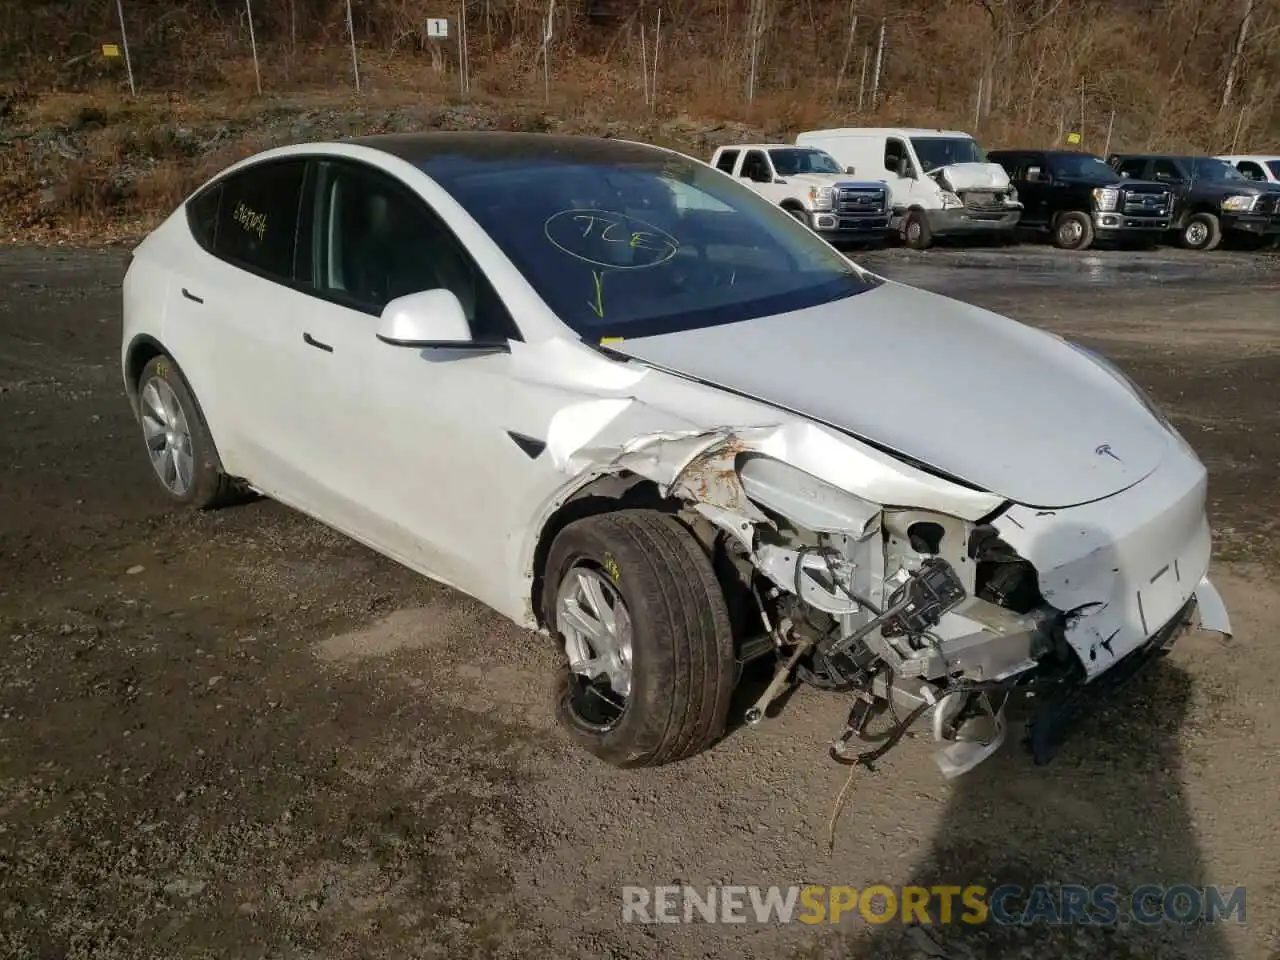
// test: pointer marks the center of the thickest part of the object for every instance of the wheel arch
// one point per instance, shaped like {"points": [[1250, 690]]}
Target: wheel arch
{"points": [[606, 494], [144, 348], [791, 203]]}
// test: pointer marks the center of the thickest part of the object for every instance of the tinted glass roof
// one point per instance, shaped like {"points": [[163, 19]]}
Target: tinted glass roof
{"points": [[421, 148]]}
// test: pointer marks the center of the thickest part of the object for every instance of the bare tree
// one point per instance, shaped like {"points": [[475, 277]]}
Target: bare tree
{"points": [[1237, 54]]}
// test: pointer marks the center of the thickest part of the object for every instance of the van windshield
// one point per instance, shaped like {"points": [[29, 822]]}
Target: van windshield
{"points": [[937, 152]]}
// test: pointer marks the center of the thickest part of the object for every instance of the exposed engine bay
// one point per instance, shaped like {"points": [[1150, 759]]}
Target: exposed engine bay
{"points": [[911, 612]]}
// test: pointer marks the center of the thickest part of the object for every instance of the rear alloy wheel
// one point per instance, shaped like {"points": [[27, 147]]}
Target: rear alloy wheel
{"points": [[649, 658], [1073, 231], [915, 231], [1202, 232], [177, 439]]}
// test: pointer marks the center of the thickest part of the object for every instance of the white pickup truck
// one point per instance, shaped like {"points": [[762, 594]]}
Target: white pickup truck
{"points": [[811, 186]]}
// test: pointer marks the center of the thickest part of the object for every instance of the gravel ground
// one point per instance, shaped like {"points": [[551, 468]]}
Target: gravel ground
{"points": [[240, 734]]}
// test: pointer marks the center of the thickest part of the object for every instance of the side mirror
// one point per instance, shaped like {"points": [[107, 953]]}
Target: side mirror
{"points": [[430, 318], [778, 180], [850, 170]]}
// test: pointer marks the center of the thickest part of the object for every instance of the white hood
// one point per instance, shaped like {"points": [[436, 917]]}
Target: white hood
{"points": [[827, 179], [970, 393], [973, 176]]}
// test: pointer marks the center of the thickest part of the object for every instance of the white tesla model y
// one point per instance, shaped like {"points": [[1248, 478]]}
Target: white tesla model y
{"points": [[618, 397]]}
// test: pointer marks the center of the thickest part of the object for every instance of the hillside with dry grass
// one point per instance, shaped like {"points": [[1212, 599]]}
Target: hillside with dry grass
{"points": [[80, 154]]}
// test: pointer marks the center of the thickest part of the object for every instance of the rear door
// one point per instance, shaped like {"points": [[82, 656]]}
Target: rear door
{"points": [[245, 296], [727, 161]]}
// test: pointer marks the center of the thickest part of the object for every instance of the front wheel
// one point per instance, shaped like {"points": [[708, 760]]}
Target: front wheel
{"points": [[915, 231], [1202, 232], [649, 650], [1073, 231], [801, 215]]}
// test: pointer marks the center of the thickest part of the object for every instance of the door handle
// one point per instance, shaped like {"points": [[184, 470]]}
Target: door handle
{"points": [[191, 296], [311, 341]]}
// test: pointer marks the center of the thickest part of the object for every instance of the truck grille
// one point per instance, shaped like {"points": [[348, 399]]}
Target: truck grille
{"points": [[851, 201], [1145, 203], [1267, 204], [983, 201]]}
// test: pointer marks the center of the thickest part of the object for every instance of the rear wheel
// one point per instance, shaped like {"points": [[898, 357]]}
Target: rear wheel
{"points": [[915, 231], [177, 439], [1202, 232], [1073, 231], [649, 650]]}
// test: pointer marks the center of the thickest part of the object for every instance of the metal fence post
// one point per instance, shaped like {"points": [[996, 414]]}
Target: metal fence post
{"points": [[124, 42], [355, 61]]}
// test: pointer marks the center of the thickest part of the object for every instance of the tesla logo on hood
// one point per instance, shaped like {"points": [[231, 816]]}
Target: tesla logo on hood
{"points": [[1104, 450]]}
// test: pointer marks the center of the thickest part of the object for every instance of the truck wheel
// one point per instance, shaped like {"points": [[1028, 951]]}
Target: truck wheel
{"points": [[649, 665], [1073, 231], [1202, 232], [915, 231], [800, 215]]}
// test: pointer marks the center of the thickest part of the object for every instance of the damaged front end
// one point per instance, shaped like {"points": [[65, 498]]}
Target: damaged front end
{"points": [[919, 595]]}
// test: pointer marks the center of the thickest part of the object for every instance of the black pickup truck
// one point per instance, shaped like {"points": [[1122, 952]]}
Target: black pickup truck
{"points": [[1211, 197], [1078, 199]]}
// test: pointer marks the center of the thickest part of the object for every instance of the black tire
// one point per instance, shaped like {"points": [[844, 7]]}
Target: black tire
{"points": [[1073, 230], [209, 486], [915, 230], [682, 653], [801, 215], [1202, 231]]}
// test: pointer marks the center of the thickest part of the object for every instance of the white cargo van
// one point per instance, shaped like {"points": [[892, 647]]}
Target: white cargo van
{"points": [[940, 183]]}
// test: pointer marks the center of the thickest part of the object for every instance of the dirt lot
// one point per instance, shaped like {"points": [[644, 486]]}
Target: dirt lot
{"points": [[239, 734]]}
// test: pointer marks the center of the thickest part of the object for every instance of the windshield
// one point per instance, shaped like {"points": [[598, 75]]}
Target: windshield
{"points": [[1082, 165], [1274, 167], [1207, 169], [937, 152], [789, 162], [647, 243]]}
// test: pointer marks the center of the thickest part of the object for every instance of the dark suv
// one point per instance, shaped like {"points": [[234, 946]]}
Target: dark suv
{"points": [[1078, 199], [1211, 197]]}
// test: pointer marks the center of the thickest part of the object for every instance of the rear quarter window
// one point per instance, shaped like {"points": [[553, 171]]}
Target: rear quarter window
{"points": [[257, 217], [202, 216]]}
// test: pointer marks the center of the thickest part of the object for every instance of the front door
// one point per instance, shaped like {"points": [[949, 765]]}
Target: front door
{"points": [[418, 450]]}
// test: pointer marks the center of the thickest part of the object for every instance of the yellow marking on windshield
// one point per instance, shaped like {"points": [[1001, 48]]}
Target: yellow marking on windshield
{"points": [[604, 340], [597, 305]]}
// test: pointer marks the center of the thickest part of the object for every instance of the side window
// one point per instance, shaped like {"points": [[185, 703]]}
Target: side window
{"points": [[726, 161], [756, 167], [896, 159], [257, 223], [1132, 168], [376, 240], [1167, 170], [1251, 170], [202, 216]]}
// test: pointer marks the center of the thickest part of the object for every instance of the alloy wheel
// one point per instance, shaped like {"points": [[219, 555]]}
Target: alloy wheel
{"points": [[168, 436]]}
